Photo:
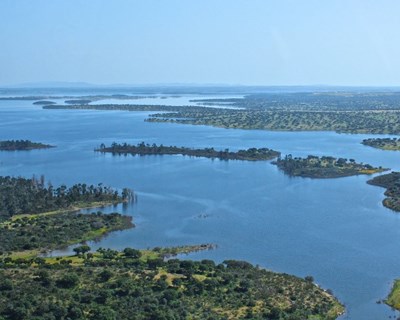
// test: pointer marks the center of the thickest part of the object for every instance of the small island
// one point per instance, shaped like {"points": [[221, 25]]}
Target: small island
{"points": [[323, 167], [44, 102], [383, 143], [252, 154], [391, 182], [18, 145]]}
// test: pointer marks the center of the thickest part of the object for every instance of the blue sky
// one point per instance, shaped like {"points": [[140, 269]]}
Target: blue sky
{"points": [[250, 42]]}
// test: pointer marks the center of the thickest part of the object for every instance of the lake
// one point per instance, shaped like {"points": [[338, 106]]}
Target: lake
{"points": [[335, 230]]}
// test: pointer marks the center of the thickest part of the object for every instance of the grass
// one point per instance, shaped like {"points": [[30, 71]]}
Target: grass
{"points": [[393, 299]]}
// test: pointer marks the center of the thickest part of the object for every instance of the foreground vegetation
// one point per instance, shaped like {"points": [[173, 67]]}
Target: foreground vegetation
{"points": [[324, 167], [43, 232], [15, 145], [141, 285], [133, 284], [31, 196], [383, 143], [252, 154], [391, 182]]}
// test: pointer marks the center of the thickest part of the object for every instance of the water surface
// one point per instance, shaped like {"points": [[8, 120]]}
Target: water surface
{"points": [[335, 230]]}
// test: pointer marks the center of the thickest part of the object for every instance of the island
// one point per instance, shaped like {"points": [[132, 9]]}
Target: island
{"points": [[383, 143], [44, 102], [251, 154], [17, 145], [391, 182], [323, 167]]}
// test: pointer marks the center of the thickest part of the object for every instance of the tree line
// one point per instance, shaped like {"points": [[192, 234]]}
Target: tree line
{"points": [[251, 154], [13, 145], [27, 196], [323, 167]]}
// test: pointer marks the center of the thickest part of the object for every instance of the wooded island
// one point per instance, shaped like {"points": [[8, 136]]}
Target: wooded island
{"points": [[15, 145], [391, 182], [323, 167], [251, 154]]}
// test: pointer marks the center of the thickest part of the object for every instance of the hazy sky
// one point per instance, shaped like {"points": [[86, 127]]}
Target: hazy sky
{"points": [[265, 42]]}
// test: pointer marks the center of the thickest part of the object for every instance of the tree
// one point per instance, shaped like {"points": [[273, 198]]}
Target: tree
{"points": [[82, 249], [132, 253], [69, 280]]}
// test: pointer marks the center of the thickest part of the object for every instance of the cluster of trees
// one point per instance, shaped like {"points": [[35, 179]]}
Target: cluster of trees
{"points": [[323, 167], [384, 122], [383, 143], [44, 102], [251, 154], [28, 196], [113, 285], [391, 182], [13, 145], [51, 231], [323, 101]]}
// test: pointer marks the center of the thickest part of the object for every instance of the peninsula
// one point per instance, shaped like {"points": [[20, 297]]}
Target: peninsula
{"points": [[383, 143], [110, 284], [17, 145], [350, 112], [33, 196], [323, 167], [251, 154], [393, 299], [391, 182]]}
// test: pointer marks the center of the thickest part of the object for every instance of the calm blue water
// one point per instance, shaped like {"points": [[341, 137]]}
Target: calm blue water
{"points": [[335, 230]]}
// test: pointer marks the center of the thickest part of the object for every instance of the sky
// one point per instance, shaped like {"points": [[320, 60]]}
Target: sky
{"points": [[233, 42]]}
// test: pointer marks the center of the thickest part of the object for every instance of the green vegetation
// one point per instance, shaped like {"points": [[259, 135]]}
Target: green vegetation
{"points": [[43, 232], [350, 112], [324, 167], [383, 143], [391, 182], [393, 299], [252, 154], [313, 101], [383, 122], [142, 285], [29, 196], [44, 102], [14, 145], [108, 284]]}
